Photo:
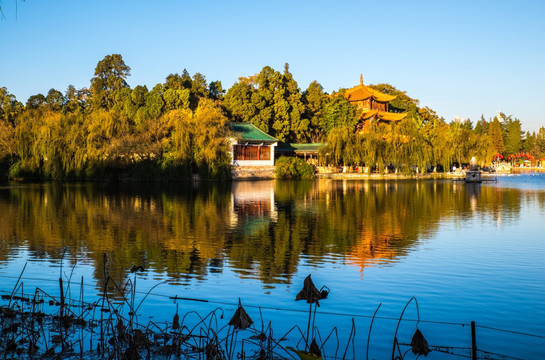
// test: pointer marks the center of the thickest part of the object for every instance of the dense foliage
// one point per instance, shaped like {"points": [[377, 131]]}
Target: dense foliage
{"points": [[178, 128], [110, 131], [293, 168]]}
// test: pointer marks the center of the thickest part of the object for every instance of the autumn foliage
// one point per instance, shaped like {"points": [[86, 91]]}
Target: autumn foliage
{"points": [[178, 129]]}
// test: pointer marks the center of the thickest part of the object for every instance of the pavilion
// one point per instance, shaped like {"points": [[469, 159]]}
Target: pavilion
{"points": [[373, 104], [251, 146]]}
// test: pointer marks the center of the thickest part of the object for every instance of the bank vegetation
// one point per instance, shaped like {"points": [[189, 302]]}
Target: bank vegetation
{"points": [[179, 128]]}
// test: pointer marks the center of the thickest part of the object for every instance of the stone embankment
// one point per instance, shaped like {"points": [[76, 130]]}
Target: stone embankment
{"points": [[252, 172], [268, 172]]}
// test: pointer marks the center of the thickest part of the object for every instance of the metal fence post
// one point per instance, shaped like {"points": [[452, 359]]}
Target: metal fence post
{"points": [[473, 342]]}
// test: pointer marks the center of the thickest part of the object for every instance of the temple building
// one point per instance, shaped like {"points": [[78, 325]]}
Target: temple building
{"points": [[251, 146], [373, 104]]}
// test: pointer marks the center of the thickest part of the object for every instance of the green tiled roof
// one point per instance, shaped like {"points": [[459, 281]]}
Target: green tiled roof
{"points": [[287, 147], [248, 132]]}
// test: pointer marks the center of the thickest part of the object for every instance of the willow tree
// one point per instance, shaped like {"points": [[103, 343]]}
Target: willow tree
{"points": [[408, 145], [483, 150], [198, 141], [438, 140], [10, 108], [340, 141], [465, 144], [375, 145], [25, 138], [210, 136]]}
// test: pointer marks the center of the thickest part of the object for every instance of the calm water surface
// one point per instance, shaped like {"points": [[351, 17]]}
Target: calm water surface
{"points": [[466, 252]]}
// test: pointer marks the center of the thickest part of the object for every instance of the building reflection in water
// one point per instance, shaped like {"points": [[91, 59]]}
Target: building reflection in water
{"points": [[251, 200], [264, 228]]}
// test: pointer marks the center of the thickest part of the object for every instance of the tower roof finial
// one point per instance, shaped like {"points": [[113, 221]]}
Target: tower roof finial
{"points": [[361, 79]]}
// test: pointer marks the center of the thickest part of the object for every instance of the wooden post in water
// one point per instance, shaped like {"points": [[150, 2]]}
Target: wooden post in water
{"points": [[62, 296], [473, 342]]}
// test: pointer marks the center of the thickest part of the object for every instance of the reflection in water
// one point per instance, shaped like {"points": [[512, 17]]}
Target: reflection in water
{"points": [[261, 228], [253, 199]]}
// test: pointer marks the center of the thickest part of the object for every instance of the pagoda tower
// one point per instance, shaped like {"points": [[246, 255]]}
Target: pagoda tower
{"points": [[373, 104]]}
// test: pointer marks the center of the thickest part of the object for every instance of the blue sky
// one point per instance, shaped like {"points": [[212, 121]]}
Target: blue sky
{"points": [[461, 58]]}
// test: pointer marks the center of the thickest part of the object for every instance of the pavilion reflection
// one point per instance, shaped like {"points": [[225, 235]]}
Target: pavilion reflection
{"points": [[252, 200], [261, 227]]}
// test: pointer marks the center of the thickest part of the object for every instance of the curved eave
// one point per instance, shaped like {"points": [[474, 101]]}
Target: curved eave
{"points": [[382, 115], [362, 92]]}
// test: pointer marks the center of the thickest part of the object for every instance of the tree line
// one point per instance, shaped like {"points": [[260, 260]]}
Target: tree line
{"points": [[179, 128]]}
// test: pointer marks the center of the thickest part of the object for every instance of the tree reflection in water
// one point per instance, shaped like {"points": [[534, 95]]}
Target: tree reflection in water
{"points": [[185, 230]]}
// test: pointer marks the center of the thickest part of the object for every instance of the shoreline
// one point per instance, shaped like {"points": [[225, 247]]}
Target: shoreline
{"points": [[268, 174], [427, 176]]}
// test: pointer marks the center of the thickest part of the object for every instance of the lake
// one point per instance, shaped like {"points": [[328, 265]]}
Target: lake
{"points": [[465, 252]]}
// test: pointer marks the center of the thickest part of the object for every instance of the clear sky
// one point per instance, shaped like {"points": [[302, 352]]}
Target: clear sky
{"points": [[461, 58]]}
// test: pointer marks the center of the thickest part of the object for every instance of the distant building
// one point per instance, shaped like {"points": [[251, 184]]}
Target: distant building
{"points": [[373, 104], [251, 146], [303, 151], [461, 120]]}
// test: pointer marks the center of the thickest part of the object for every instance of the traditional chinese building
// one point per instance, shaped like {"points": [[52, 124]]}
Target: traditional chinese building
{"points": [[251, 146], [373, 104]]}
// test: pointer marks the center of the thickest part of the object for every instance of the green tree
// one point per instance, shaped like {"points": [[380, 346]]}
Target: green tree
{"points": [[239, 104], [9, 106], [402, 102], [174, 82], [315, 100], [293, 168], [10, 109], [540, 141], [481, 127], [35, 101], [176, 99], [139, 95], [496, 137], [299, 125], [529, 143], [154, 102], [110, 76], [185, 80], [199, 89], [513, 136], [272, 102], [339, 112], [54, 100], [123, 104], [216, 90], [71, 102]]}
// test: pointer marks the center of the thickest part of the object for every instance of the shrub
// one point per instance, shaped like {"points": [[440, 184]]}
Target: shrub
{"points": [[293, 168]]}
